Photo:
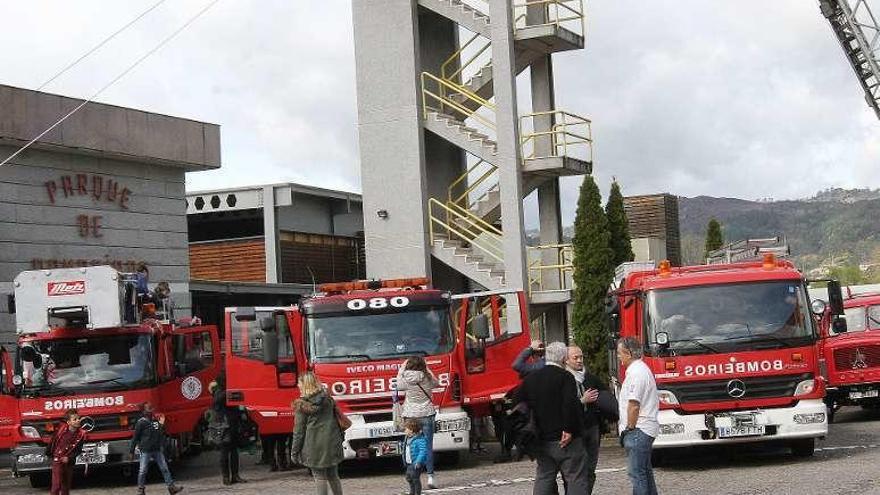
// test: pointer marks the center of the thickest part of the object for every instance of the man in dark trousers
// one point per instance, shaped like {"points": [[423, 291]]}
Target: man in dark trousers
{"points": [[551, 394], [66, 444], [149, 438], [588, 386]]}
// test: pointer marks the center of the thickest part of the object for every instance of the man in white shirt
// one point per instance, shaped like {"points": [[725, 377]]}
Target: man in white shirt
{"points": [[639, 406]]}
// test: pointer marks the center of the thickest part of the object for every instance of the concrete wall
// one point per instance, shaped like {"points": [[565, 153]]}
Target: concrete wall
{"points": [[649, 249], [390, 137], [106, 187], [317, 215]]}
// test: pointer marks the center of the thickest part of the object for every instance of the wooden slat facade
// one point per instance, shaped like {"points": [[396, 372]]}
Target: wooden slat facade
{"points": [[237, 260], [655, 216], [330, 258]]}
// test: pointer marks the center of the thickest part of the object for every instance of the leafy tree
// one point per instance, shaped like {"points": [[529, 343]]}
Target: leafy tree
{"points": [[593, 271], [848, 275], [618, 227], [714, 239]]}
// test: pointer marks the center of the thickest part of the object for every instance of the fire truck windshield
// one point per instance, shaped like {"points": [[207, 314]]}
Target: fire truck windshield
{"points": [[344, 336], [118, 362], [730, 317]]}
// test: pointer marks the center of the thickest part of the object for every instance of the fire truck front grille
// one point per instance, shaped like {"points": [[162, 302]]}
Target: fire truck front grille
{"points": [[857, 358], [372, 404], [760, 387], [103, 424]]}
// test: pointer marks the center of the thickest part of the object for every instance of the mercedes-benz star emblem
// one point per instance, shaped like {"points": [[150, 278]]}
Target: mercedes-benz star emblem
{"points": [[736, 388], [859, 360], [87, 423]]}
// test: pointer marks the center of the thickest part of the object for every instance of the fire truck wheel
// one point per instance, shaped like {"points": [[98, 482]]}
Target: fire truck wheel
{"points": [[658, 458], [40, 480], [804, 447]]}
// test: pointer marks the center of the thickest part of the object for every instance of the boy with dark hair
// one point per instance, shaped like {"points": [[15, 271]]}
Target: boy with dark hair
{"points": [[415, 454], [149, 437], [66, 444]]}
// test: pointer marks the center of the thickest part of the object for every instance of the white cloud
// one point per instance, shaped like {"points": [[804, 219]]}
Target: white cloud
{"points": [[748, 98]]}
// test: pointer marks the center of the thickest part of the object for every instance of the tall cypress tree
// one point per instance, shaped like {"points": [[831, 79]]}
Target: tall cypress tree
{"points": [[714, 238], [593, 271], [618, 227]]}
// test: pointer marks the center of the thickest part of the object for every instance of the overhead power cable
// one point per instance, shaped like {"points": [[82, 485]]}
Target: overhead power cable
{"points": [[116, 79], [102, 43]]}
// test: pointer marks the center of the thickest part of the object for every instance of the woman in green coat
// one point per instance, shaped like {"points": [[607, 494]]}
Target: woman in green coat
{"points": [[317, 438]]}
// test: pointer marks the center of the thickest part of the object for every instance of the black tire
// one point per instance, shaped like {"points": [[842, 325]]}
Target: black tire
{"points": [[40, 480], [831, 411], [449, 458], [658, 458], [804, 447]]}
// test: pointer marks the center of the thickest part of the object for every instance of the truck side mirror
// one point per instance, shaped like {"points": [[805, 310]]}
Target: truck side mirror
{"points": [[838, 324], [480, 327], [10, 304], [270, 347], [835, 297], [267, 324], [179, 344]]}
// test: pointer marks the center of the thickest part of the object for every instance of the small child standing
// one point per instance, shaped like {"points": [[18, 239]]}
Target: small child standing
{"points": [[415, 454]]}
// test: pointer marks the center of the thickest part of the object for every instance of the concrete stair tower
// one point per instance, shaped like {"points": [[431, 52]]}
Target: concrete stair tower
{"points": [[446, 155]]}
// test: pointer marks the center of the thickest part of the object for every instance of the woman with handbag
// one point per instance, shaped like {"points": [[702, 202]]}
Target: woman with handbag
{"points": [[318, 433], [416, 379]]}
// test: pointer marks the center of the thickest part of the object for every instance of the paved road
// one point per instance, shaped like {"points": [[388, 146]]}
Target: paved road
{"points": [[846, 463]]}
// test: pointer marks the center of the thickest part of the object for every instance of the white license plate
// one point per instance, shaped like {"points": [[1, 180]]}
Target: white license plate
{"points": [[91, 458], [381, 431], [740, 431], [864, 394]]}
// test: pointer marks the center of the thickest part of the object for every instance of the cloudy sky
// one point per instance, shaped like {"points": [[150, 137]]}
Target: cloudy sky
{"points": [[742, 98]]}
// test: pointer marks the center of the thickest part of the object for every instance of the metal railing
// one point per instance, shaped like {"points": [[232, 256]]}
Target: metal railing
{"points": [[457, 70], [459, 223], [465, 192], [560, 269], [569, 135], [568, 14], [437, 95]]}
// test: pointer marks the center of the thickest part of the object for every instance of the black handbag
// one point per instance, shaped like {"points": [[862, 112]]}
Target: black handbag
{"points": [[608, 406]]}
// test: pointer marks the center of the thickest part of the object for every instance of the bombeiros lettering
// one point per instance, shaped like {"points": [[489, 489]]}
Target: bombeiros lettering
{"points": [[374, 385], [377, 303], [734, 367], [83, 403]]}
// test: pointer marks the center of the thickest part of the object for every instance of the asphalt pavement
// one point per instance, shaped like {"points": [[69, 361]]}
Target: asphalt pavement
{"points": [[845, 463]]}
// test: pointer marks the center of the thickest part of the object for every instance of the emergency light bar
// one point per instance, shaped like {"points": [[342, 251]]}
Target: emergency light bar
{"points": [[396, 283]]}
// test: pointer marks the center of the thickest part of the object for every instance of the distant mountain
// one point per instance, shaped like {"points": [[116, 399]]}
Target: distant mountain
{"points": [[838, 223]]}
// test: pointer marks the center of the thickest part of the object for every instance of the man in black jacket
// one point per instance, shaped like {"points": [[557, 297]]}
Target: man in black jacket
{"points": [[588, 386], [551, 394], [149, 439]]}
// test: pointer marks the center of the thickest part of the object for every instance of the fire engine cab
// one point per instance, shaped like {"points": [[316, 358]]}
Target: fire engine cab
{"points": [[87, 340], [355, 337], [853, 356], [732, 347]]}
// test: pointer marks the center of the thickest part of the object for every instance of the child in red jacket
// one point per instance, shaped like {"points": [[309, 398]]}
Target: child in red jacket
{"points": [[66, 444]]}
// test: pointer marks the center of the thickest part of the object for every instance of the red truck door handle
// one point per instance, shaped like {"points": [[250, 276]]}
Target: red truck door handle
{"points": [[235, 396]]}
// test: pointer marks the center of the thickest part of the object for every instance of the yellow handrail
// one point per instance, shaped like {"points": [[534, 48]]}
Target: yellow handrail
{"points": [[456, 56], [557, 12], [445, 101], [568, 130], [462, 199], [563, 266], [458, 222]]}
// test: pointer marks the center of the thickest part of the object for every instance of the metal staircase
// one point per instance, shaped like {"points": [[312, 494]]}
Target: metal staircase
{"points": [[458, 106], [858, 32]]}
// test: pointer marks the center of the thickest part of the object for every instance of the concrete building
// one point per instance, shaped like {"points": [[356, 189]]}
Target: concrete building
{"points": [[447, 156], [268, 245], [654, 227], [104, 187]]}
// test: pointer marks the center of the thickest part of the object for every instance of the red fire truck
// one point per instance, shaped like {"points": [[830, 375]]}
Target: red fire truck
{"points": [[733, 348], [853, 358], [355, 336], [8, 404], [86, 341]]}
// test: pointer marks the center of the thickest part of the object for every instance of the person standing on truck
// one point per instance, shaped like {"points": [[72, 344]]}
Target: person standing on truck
{"points": [[588, 387], [639, 406], [65, 445], [417, 380], [317, 436], [229, 463], [149, 438], [551, 395]]}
